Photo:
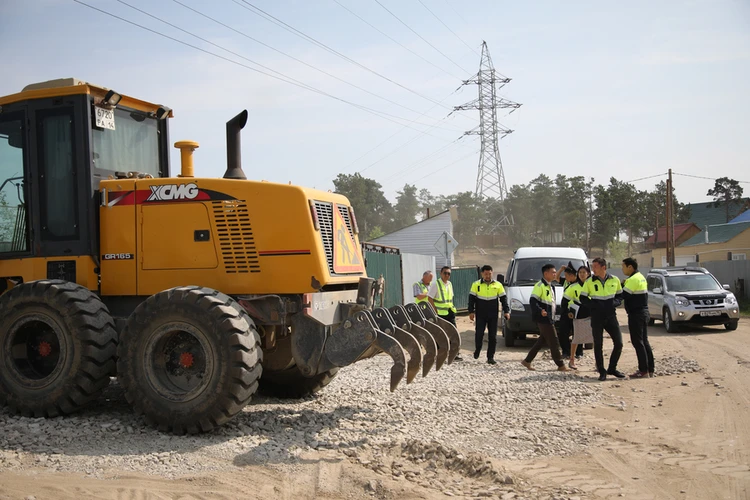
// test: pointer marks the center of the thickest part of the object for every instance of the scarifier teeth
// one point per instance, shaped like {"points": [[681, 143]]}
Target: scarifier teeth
{"points": [[393, 348], [387, 324], [401, 318]]}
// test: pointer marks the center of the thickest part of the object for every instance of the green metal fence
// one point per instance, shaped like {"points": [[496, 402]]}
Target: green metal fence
{"points": [[380, 259], [462, 278]]}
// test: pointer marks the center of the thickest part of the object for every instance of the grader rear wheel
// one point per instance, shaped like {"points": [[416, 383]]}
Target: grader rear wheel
{"points": [[58, 344], [189, 359]]}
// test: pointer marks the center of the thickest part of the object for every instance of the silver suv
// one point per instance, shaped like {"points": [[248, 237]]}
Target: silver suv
{"points": [[690, 295]]}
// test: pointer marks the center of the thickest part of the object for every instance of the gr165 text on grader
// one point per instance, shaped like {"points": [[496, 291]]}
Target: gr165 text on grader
{"points": [[194, 292]]}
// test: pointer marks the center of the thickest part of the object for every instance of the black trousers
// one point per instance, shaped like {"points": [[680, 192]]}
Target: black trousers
{"points": [[638, 326], [490, 323], [598, 326], [547, 337], [451, 316]]}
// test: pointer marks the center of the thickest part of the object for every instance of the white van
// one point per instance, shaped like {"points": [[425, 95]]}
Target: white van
{"points": [[524, 270]]}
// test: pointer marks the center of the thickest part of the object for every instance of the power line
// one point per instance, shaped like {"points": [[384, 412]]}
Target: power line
{"points": [[390, 137], [394, 40], [456, 12], [446, 27], [282, 78], [287, 55], [444, 167], [706, 178], [268, 17], [420, 36], [644, 178], [427, 160]]}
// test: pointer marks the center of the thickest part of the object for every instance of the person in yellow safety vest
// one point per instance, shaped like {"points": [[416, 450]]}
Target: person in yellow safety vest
{"points": [[602, 293], [422, 287], [543, 304], [485, 297], [565, 328], [441, 298], [635, 297]]}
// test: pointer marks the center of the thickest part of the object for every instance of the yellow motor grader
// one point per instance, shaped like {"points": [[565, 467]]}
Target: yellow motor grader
{"points": [[194, 292]]}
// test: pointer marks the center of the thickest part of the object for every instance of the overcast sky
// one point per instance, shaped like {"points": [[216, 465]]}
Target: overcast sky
{"points": [[624, 89]]}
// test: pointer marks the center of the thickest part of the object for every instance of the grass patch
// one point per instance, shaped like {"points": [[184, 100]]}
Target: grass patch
{"points": [[744, 307]]}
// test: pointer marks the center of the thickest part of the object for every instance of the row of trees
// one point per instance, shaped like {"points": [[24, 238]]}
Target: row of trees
{"points": [[575, 210]]}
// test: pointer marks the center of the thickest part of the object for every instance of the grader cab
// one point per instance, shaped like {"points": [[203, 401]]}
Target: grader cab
{"points": [[194, 292]]}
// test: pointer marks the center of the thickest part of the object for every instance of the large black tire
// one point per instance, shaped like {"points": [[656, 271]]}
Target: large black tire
{"points": [[58, 344], [509, 336], [732, 325], [669, 325], [291, 384], [189, 359]]}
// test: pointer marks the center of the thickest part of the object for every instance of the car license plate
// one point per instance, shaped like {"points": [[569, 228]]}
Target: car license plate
{"points": [[710, 313], [105, 118], [557, 317]]}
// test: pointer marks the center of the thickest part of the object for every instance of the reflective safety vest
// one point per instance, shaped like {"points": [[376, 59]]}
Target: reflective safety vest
{"points": [[573, 294], [601, 295], [544, 294], [484, 298], [423, 289], [635, 293], [490, 291], [444, 299]]}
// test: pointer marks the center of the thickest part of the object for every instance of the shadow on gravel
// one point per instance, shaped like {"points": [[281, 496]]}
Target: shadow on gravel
{"points": [[268, 430]]}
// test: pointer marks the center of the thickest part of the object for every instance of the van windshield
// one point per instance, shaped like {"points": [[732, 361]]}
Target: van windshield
{"points": [[529, 271]]}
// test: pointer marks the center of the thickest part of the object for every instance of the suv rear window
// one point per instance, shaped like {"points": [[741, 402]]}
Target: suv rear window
{"points": [[692, 283]]}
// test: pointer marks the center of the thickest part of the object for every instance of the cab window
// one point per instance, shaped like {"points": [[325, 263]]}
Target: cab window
{"points": [[13, 208]]}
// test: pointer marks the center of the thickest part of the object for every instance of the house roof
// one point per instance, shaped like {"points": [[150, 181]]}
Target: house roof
{"points": [[718, 233], [679, 229], [743, 217], [705, 214]]}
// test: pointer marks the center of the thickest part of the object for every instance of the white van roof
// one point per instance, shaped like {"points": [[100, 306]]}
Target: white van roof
{"points": [[554, 252]]}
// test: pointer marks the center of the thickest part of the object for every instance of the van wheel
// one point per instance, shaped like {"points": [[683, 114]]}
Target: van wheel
{"points": [[731, 325]]}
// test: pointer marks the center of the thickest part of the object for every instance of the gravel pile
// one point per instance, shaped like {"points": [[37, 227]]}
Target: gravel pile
{"points": [[674, 364], [501, 411]]}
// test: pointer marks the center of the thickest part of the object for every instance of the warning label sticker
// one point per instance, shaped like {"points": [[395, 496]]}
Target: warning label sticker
{"points": [[347, 256]]}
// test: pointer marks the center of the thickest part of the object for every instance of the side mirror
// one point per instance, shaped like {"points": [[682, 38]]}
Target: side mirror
{"points": [[657, 291], [501, 278], [726, 287]]}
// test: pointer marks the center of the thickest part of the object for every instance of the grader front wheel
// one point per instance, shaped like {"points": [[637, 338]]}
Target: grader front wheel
{"points": [[189, 359], [58, 344]]}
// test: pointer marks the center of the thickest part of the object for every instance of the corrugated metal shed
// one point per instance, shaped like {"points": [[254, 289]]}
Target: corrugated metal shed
{"points": [[420, 238]]}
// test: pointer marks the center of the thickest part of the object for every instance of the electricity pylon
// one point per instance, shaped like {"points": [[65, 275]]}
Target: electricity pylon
{"points": [[490, 175]]}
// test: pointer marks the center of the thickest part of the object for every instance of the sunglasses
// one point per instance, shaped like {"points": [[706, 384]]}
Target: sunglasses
{"points": [[446, 274]]}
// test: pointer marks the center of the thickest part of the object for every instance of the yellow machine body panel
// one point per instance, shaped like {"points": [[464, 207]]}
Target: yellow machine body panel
{"points": [[41, 268], [237, 236]]}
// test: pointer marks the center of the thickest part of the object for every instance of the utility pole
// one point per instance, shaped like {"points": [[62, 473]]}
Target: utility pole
{"points": [[670, 222], [490, 175]]}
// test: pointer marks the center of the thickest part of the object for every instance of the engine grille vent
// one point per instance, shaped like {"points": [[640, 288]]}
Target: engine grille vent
{"points": [[235, 234]]}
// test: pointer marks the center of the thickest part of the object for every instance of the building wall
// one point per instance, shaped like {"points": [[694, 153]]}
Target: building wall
{"points": [[420, 238], [740, 244], [412, 267]]}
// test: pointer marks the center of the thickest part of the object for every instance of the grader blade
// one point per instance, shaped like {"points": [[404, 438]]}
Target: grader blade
{"points": [[386, 324], [441, 338], [447, 326], [399, 315]]}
